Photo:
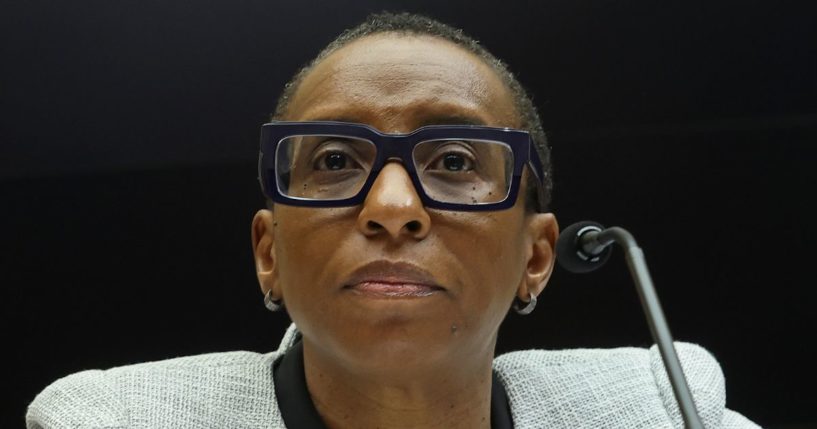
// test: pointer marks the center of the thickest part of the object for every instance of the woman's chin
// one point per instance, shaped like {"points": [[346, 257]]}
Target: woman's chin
{"points": [[398, 341]]}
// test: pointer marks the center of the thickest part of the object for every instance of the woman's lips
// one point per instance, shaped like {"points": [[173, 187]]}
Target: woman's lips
{"points": [[393, 289], [388, 279]]}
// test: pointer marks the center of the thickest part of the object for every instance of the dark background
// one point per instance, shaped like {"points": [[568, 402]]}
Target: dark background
{"points": [[127, 183]]}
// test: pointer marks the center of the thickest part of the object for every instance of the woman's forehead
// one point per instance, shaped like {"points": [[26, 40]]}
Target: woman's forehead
{"points": [[398, 82]]}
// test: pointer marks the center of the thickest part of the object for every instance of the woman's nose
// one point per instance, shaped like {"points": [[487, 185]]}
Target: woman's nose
{"points": [[393, 206]]}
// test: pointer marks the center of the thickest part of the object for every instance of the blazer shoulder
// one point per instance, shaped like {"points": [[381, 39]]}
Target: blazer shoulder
{"points": [[207, 361], [704, 377], [85, 399], [632, 380], [104, 398]]}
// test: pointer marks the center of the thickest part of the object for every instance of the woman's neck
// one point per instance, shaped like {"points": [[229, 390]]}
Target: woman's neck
{"points": [[456, 396]]}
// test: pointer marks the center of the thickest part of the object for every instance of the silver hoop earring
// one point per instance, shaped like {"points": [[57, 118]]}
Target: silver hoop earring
{"points": [[528, 308], [271, 304]]}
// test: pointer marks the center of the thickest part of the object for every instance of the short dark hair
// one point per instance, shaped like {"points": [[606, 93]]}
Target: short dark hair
{"points": [[414, 24]]}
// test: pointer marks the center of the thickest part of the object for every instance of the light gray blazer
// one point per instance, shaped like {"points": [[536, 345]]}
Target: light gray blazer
{"points": [[570, 389]]}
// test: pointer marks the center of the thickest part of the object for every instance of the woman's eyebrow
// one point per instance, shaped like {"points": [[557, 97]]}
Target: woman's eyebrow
{"points": [[349, 119], [431, 120], [452, 120]]}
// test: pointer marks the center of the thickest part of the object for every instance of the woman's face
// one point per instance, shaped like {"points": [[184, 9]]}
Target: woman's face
{"points": [[390, 283]]}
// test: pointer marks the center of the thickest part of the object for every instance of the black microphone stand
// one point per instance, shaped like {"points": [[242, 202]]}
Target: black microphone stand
{"points": [[655, 316]]}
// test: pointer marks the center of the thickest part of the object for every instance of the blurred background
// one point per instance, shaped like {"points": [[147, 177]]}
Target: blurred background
{"points": [[129, 135]]}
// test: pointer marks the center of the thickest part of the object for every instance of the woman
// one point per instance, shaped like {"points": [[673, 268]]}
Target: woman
{"points": [[407, 216]]}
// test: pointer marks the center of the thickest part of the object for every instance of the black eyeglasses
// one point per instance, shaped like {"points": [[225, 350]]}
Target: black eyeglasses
{"points": [[453, 167]]}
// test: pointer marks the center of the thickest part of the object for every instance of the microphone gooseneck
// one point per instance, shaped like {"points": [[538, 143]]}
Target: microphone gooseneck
{"points": [[584, 247]]}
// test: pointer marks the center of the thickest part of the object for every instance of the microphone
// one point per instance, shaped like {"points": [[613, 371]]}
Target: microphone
{"points": [[584, 247], [578, 249]]}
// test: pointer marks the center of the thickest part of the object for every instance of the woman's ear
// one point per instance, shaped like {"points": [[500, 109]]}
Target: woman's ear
{"points": [[263, 248], [543, 230]]}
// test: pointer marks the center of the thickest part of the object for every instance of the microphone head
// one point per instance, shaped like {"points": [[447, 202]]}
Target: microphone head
{"points": [[569, 248]]}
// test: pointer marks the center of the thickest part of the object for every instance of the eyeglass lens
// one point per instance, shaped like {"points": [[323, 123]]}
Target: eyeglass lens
{"points": [[330, 167]]}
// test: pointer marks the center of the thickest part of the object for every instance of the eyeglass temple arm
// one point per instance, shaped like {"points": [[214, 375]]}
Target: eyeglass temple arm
{"points": [[535, 164]]}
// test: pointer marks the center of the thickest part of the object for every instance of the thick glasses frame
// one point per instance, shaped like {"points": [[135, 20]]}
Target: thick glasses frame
{"points": [[395, 146]]}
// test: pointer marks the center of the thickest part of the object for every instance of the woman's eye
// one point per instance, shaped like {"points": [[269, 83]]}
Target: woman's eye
{"points": [[453, 162], [334, 161]]}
